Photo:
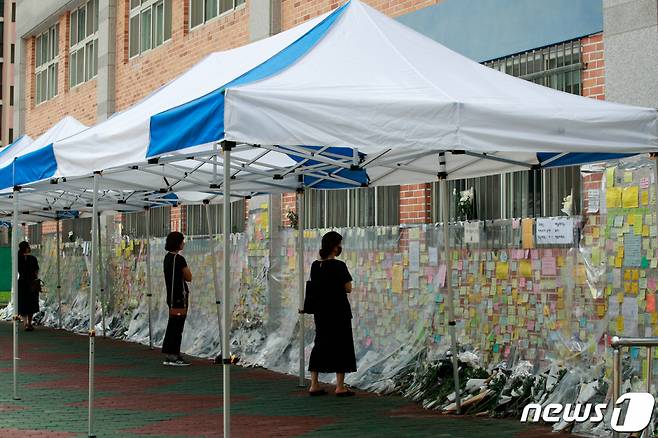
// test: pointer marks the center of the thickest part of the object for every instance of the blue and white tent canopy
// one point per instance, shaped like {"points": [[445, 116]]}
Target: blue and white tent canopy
{"points": [[370, 94], [37, 206]]}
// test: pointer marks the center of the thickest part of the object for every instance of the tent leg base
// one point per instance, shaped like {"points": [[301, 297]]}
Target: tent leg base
{"points": [[16, 398]]}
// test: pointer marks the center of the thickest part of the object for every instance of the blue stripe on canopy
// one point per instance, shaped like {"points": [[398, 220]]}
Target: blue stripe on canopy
{"points": [[35, 166], [67, 214], [360, 177], [577, 158], [201, 121]]}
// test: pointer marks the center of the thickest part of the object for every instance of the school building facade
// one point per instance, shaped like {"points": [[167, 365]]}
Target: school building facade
{"points": [[91, 58]]}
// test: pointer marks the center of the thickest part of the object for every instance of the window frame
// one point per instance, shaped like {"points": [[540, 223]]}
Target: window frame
{"points": [[237, 4], [136, 12], [52, 33], [81, 45]]}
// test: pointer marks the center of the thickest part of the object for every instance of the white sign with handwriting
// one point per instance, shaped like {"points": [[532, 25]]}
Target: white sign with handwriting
{"points": [[554, 230]]}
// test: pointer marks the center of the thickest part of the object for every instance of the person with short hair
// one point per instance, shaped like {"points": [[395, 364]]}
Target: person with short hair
{"points": [[333, 350], [28, 285], [177, 275]]}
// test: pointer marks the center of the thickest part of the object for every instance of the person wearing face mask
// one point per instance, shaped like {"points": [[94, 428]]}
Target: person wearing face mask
{"points": [[333, 350], [177, 275]]}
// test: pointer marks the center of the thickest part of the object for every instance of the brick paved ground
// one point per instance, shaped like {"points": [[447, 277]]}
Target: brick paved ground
{"points": [[137, 396]]}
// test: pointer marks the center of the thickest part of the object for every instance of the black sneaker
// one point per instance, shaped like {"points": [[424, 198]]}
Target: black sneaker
{"points": [[179, 362], [169, 360]]}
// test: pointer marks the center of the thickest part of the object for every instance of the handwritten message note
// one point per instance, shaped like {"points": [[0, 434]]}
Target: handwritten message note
{"points": [[472, 232], [554, 230]]}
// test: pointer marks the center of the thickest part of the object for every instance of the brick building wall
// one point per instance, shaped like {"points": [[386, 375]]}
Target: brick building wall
{"points": [[593, 66], [79, 102], [294, 12], [138, 76]]}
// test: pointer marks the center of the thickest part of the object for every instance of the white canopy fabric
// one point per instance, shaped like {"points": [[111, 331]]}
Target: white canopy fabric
{"points": [[353, 79], [374, 84], [13, 149]]}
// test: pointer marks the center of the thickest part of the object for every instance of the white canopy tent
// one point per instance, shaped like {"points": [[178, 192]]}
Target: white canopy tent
{"points": [[382, 105]]}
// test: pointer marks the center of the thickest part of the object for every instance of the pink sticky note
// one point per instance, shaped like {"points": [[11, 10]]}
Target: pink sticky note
{"points": [[460, 265], [534, 254], [515, 223], [651, 283], [442, 276], [522, 282], [548, 266], [651, 303]]}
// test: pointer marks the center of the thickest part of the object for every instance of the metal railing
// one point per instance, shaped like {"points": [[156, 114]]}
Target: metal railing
{"points": [[617, 343]]}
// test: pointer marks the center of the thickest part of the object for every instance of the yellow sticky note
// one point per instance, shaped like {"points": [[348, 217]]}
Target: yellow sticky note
{"points": [[628, 177], [630, 197], [502, 270], [397, 279], [613, 197], [645, 231], [525, 268], [644, 198], [620, 324], [610, 177], [596, 232], [528, 240]]}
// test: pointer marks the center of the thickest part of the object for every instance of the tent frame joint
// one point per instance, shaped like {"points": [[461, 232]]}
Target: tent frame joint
{"points": [[228, 145]]}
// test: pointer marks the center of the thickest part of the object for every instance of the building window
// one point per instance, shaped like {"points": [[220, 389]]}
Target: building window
{"points": [[134, 224], [197, 222], [363, 207], [557, 66], [2, 38], [74, 229], [11, 135], [150, 25], [202, 11], [83, 64], [13, 12], [34, 234], [11, 95], [46, 63], [12, 54]]}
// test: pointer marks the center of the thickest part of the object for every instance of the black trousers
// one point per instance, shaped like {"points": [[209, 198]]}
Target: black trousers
{"points": [[173, 335]]}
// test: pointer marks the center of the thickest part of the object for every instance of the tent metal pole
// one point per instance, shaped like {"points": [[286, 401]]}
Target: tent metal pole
{"points": [[300, 283], [215, 276], [92, 304], [14, 290], [149, 283], [226, 354], [59, 276], [100, 271], [443, 183]]}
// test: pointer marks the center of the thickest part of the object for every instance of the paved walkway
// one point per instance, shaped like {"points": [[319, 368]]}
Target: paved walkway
{"points": [[137, 396]]}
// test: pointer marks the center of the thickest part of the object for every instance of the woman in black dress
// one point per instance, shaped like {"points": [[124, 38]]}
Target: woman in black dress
{"points": [[177, 275], [28, 292], [333, 351]]}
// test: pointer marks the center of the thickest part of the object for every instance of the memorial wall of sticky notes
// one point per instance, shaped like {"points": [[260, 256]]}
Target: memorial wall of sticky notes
{"points": [[516, 297]]}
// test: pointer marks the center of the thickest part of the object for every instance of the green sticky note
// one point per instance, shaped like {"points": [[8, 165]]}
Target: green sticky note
{"points": [[645, 263]]}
